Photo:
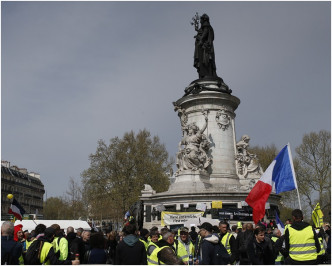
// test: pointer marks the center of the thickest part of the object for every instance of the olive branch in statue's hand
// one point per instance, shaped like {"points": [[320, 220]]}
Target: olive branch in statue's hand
{"points": [[195, 21]]}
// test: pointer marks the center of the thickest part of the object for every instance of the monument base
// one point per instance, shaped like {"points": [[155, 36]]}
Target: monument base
{"points": [[178, 199]]}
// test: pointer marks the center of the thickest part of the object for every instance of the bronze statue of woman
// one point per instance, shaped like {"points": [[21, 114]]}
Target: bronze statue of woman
{"points": [[204, 58]]}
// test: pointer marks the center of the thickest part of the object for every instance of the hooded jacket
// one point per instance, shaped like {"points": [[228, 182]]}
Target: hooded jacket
{"points": [[130, 251], [209, 248], [299, 226]]}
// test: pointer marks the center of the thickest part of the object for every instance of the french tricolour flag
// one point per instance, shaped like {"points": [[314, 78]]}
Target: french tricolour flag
{"points": [[278, 177], [280, 225], [16, 209]]}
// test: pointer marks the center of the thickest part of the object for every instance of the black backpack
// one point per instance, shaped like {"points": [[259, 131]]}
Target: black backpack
{"points": [[243, 242], [32, 257], [221, 256]]}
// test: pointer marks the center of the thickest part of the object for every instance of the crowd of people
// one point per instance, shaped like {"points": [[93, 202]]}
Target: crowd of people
{"points": [[261, 244]]}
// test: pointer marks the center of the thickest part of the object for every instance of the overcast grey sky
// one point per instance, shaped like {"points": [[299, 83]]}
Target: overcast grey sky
{"points": [[77, 72]]}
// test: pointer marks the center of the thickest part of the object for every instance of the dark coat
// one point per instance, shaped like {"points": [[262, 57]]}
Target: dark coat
{"points": [[209, 251], [261, 253], [8, 245], [167, 255], [96, 256], [77, 247], [233, 246], [241, 245], [130, 251]]}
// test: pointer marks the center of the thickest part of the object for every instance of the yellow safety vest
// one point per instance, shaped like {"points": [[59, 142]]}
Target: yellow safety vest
{"points": [[147, 250], [44, 252], [322, 250], [280, 257], [145, 243], [302, 244], [62, 247], [153, 260], [287, 225], [181, 250], [27, 244], [225, 242]]}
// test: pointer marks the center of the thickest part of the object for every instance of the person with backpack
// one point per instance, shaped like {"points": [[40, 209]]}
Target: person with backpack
{"points": [[60, 243], [260, 250], [242, 240], [212, 252], [10, 249], [41, 251]]}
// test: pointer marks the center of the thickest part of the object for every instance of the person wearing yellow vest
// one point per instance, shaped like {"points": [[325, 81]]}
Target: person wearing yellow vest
{"points": [[301, 241], [60, 243], [47, 255], [277, 242], [165, 253], [183, 246], [154, 235], [321, 257], [228, 241], [143, 237]]}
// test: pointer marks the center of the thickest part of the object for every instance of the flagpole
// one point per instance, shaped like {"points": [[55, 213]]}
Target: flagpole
{"points": [[297, 189]]}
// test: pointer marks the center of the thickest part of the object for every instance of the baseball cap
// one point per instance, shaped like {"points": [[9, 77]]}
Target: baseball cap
{"points": [[184, 229], [207, 226]]}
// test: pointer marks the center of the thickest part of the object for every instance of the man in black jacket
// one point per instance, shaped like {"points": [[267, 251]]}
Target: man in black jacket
{"points": [[193, 234], [167, 255], [210, 246], [130, 251], [77, 246], [242, 241], [260, 250]]}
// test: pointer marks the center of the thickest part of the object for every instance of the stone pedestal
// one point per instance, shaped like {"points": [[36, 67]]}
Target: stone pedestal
{"points": [[220, 132], [211, 165]]}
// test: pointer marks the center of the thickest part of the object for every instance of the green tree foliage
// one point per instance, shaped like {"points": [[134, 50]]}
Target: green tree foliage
{"points": [[118, 172], [314, 170], [68, 207], [56, 208], [265, 154]]}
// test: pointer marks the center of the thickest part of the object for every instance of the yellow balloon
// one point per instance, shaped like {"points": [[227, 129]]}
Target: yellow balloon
{"points": [[10, 196]]}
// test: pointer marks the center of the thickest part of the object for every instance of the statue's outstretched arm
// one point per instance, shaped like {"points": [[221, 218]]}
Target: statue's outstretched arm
{"points": [[205, 125]]}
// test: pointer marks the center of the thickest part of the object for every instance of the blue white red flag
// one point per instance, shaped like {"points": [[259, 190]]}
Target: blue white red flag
{"points": [[16, 209], [280, 225], [278, 177], [127, 214]]}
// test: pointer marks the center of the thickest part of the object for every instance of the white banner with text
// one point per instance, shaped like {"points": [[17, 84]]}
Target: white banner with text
{"points": [[168, 218]]}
